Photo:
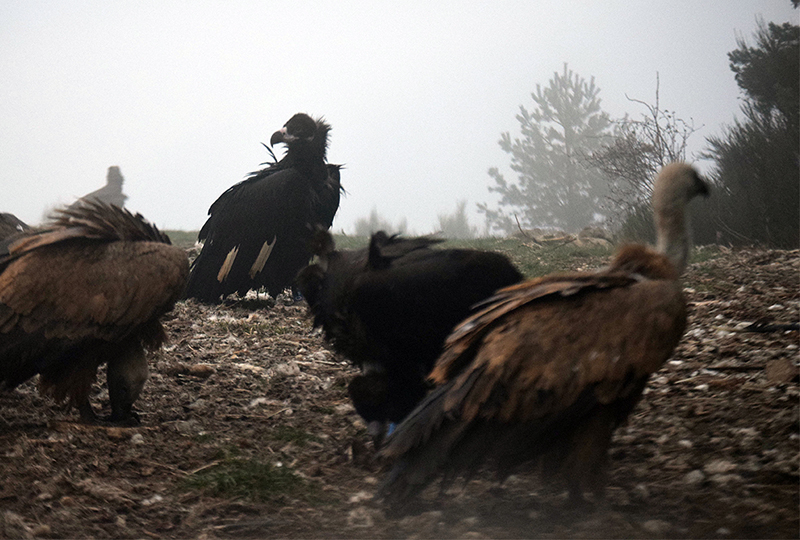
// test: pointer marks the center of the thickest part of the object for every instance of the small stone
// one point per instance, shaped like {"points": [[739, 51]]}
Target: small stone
{"points": [[641, 493], [152, 500], [360, 518], [694, 478], [187, 427], [724, 531], [780, 370], [199, 404], [685, 443], [747, 433], [137, 438], [202, 371], [287, 369], [656, 526], [775, 307], [42, 531], [258, 401], [727, 479], [117, 434], [470, 521], [719, 466], [361, 496]]}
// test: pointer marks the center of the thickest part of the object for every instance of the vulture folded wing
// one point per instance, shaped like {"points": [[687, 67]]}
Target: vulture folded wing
{"points": [[507, 300], [84, 288], [542, 346]]}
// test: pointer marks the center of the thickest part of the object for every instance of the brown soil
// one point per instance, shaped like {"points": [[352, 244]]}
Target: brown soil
{"points": [[251, 391]]}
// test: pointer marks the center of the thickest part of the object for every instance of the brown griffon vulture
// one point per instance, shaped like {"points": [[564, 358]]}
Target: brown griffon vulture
{"points": [[87, 289], [548, 368]]}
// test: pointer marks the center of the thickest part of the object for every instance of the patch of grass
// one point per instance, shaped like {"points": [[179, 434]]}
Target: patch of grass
{"points": [[344, 241], [252, 328], [531, 260], [711, 279], [323, 410], [702, 254], [182, 239], [252, 480], [293, 435]]}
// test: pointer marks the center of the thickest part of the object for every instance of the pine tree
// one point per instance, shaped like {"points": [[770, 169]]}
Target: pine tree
{"points": [[757, 158], [554, 187]]}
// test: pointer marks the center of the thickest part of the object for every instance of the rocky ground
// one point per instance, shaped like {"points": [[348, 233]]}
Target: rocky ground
{"points": [[246, 431]]}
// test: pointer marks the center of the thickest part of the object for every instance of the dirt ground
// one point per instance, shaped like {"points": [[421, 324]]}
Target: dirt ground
{"points": [[246, 431]]}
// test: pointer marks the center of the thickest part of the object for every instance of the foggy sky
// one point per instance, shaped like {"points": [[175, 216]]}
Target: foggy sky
{"points": [[180, 95]]}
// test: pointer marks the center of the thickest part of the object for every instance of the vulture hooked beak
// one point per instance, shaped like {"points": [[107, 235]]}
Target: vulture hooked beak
{"points": [[280, 136]]}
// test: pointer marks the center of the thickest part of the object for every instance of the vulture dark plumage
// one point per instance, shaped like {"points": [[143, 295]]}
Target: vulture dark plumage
{"points": [[390, 306], [259, 231], [11, 225], [87, 289], [548, 368]]}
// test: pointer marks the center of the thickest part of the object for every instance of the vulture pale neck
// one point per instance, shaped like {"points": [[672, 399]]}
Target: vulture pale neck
{"points": [[672, 235], [675, 186]]}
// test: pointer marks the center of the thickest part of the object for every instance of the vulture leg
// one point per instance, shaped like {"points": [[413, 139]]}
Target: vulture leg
{"points": [[585, 464], [88, 415], [297, 296], [127, 374]]}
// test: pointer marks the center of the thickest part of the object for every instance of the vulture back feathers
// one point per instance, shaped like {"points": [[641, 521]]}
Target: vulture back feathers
{"points": [[87, 289], [390, 306], [258, 231], [548, 368]]}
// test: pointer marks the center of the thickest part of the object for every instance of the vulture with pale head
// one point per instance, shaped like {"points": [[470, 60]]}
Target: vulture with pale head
{"points": [[547, 369], [86, 290], [258, 232], [389, 307]]}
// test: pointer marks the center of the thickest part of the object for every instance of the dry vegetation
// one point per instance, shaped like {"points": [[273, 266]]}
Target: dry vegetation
{"points": [[247, 432]]}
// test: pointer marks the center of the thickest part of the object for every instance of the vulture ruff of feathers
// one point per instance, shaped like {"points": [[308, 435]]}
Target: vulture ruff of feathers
{"points": [[547, 369], [389, 308], [87, 289], [258, 231]]}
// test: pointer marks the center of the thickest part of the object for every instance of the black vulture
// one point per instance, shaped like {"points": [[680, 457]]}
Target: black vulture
{"points": [[11, 225], [258, 231], [389, 307], [548, 368], [85, 290]]}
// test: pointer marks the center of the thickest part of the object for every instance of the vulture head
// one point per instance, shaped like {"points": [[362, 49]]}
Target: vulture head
{"points": [[303, 132], [674, 187]]}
